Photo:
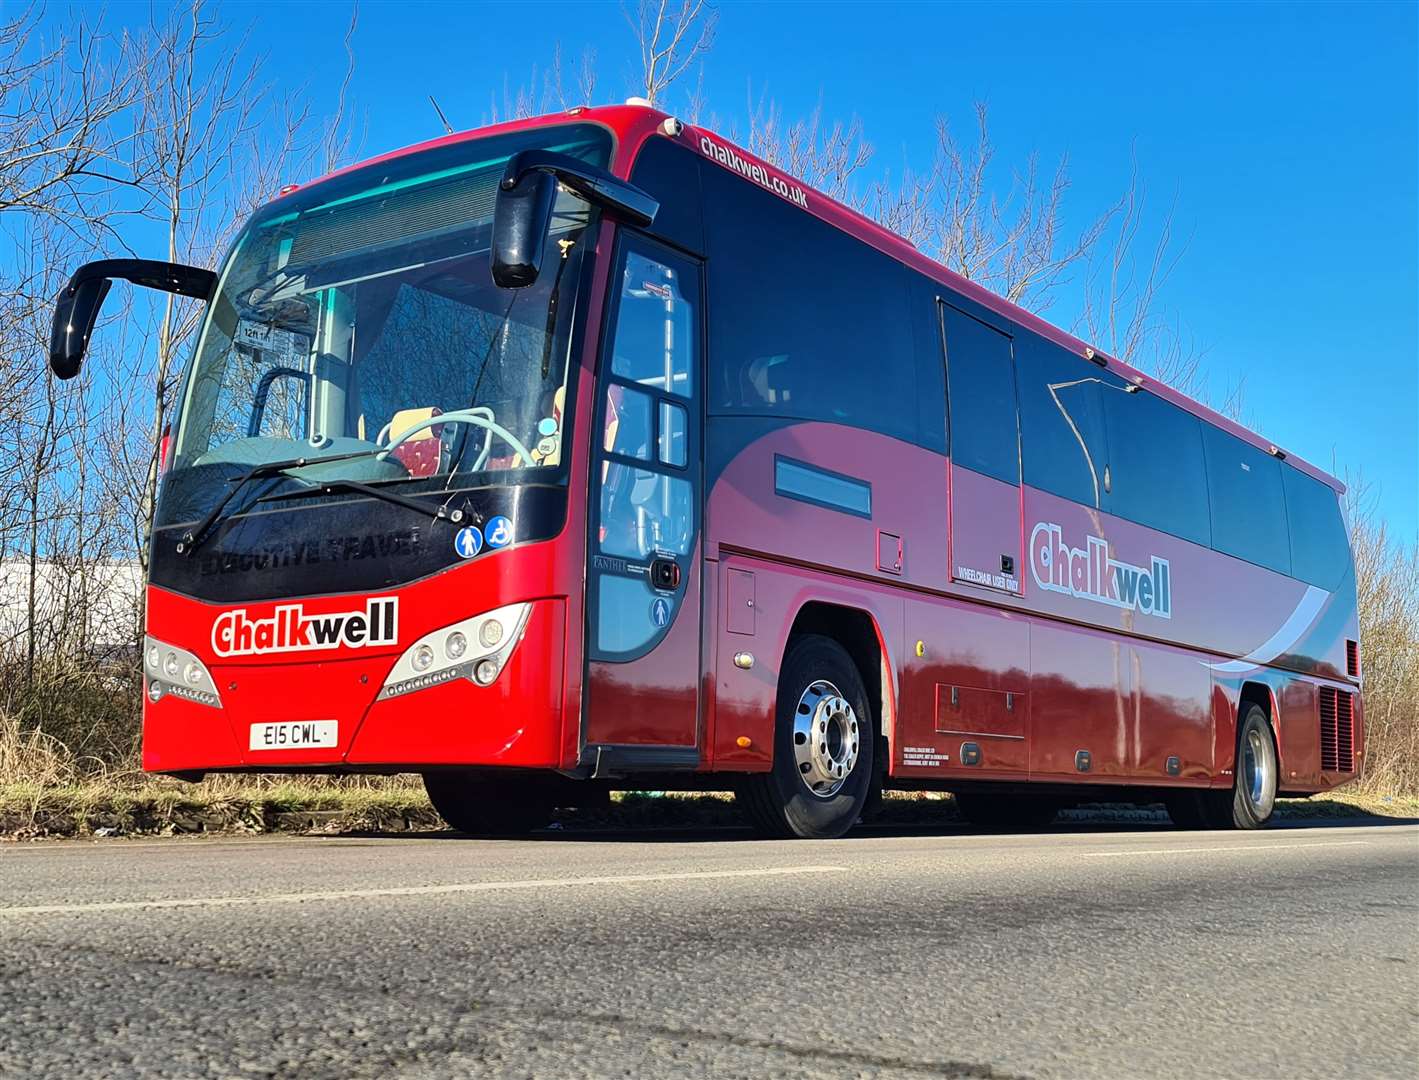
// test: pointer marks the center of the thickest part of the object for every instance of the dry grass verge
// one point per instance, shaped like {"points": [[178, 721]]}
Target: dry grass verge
{"points": [[236, 805]]}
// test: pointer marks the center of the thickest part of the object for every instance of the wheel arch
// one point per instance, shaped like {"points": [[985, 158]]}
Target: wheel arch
{"points": [[1263, 696], [858, 632]]}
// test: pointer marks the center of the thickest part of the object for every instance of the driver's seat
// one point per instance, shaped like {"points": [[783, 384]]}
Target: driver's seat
{"points": [[422, 452]]}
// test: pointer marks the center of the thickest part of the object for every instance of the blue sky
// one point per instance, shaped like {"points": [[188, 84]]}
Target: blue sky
{"points": [[1285, 135]]}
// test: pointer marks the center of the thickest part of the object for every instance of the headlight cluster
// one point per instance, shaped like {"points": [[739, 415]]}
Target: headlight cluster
{"points": [[474, 649], [175, 671]]}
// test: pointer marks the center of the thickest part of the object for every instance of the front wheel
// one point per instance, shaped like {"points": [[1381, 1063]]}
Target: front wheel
{"points": [[1250, 803], [824, 739], [488, 804]]}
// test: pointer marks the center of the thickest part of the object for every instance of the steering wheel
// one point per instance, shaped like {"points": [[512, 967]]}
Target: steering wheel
{"points": [[477, 417]]}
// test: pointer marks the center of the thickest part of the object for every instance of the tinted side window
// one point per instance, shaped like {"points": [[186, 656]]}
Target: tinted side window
{"points": [[1248, 505], [1062, 440], [980, 376], [1157, 474], [1320, 550], [672, 174], [805, 321]]}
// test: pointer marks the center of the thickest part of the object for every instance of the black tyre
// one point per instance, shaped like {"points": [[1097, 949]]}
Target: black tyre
{"points": [[1007, 811], [824, 742], [1250, 803], [488, 804]]}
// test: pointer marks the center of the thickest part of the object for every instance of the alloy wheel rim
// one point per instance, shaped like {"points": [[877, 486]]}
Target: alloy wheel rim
{"points": [[1257, 770], [826, 738]]}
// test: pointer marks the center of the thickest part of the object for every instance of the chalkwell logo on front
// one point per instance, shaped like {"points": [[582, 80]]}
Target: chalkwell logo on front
{"points": [[290, 629], [1090, 574]]}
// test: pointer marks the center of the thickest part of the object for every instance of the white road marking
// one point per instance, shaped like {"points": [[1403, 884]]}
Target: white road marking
{"points": [[1230, 849], [412, 890]]}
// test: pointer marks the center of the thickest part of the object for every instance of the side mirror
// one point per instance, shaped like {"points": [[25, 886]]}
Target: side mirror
{"points": [[74, 316], [77, 307], [521, 217], [523, 211]]}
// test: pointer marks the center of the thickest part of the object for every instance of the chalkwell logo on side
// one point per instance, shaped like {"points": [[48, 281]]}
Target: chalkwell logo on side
{"points": [[290, 629], [1090, 574], [757, 173]]}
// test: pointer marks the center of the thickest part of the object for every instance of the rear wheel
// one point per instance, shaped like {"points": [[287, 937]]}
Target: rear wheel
{"points": [[488, 804], [824, 740], [1007, 811], [1252, 800]]}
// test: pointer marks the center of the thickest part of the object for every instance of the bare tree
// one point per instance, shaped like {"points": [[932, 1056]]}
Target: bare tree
{"points": [[671, 38], [66, 132], [1011, 243], [1123, 310], [215, 143], [829, 156], [1387, 595]]}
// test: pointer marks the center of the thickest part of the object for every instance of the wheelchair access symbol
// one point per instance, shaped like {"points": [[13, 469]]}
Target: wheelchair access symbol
{"points": [[660, 611], [499, 532], [468, 541]]}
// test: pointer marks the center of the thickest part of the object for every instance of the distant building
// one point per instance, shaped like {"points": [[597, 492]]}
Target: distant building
{"points": [[96, 606]]}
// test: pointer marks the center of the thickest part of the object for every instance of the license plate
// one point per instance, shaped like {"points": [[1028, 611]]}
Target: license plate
{"points": [[294, 735]]}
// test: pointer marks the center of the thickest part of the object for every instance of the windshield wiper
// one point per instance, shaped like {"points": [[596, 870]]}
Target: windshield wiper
{"points": [[438, 512], [193, 539]]}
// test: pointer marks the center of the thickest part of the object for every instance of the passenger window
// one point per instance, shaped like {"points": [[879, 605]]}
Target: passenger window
{"points": [[1062, 441], [1157, 474], [1320, 549], [1248, 505], [834, 343], [980, 378]]}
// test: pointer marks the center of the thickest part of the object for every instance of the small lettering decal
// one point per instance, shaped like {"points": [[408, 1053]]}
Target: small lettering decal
{"points": [[1089, 573], [985, 577], [312, 551], [290, 629], [757, 173], [924, 757]]}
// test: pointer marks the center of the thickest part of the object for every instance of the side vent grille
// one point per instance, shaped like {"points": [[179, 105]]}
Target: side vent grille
{"points": [[1352, 658], [1337, 730], [1345, 732]]}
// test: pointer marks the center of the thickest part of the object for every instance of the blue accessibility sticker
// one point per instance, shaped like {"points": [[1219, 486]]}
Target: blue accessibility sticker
{"points": [[468, 541], [660, 611], [499, 532]]}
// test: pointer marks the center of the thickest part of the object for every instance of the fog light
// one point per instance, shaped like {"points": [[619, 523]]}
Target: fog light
{"points": [[155, 691], [485, 672], [423, 657], [491, 633], [455, 645], [170, 665]]}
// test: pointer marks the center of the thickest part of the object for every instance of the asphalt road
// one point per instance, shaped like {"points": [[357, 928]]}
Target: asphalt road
{"points": [[1290, 953]]}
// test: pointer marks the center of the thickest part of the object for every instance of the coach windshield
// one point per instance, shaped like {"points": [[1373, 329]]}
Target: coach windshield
{"points": [[358, 321]]}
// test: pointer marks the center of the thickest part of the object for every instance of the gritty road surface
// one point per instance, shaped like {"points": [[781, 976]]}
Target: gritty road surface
{"points": [[1146, 953]]}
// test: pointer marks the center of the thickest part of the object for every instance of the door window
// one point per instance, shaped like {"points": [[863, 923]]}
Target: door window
{"points": [[646, 507]]}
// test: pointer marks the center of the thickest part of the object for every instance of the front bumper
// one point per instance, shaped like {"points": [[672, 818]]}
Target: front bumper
{"points": [[516, 720]]}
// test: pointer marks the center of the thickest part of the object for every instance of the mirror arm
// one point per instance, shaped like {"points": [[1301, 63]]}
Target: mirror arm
{"points": [[191, 281], [593, 184]]}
